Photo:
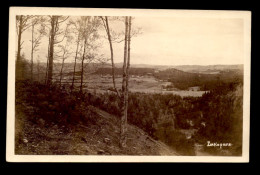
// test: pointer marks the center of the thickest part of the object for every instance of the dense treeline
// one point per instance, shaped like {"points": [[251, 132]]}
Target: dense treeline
{"points": [[217, 115], [223, 116], [118, 71], [184, 80]]}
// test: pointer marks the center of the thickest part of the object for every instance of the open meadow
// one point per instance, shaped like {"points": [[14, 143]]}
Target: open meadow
{"points": [[144, 84]]}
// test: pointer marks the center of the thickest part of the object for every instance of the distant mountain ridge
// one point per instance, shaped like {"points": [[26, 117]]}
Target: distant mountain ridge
{"points": [[205, 69], [187, 68]]}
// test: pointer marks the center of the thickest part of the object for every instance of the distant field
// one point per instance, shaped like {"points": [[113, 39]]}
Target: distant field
{"points": [[180, 80], [147, 84]]}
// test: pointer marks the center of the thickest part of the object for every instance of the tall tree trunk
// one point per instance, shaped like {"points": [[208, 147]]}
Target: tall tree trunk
{"points": [[19, 69], [46, 72], [75, 63], [127, 74], [63, 58], [50, 67], [38, 71], [81, 75], [47, 62], [112, 55], [82, 66], [32, 54], [123, 128], [19, 39]]}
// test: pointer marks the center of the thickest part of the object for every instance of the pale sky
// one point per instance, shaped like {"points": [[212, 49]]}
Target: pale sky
{"points": [[174, 41]]}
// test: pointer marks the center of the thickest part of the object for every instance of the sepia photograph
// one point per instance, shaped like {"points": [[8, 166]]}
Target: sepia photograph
{"points": [[128, 85]]}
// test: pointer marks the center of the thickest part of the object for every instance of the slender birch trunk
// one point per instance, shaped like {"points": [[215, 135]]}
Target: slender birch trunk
{"points": [[54, 22], [123, 128], [19, 70], [19, 39], [112, 54], [32, 53], [38, 70], [82, 66], [127, 75], [47, 64], [75, 63], [62, 65]]}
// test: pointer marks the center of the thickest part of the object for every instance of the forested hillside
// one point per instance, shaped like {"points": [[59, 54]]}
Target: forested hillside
{"points": [[50, 121], [217, 115], [184, 80]]}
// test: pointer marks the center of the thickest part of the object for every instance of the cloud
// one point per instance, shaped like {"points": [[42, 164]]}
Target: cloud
{"points": [[174, 41]]}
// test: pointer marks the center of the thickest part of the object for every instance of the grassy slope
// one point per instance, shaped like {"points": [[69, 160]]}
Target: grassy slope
{"points": [[98, 137]]}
